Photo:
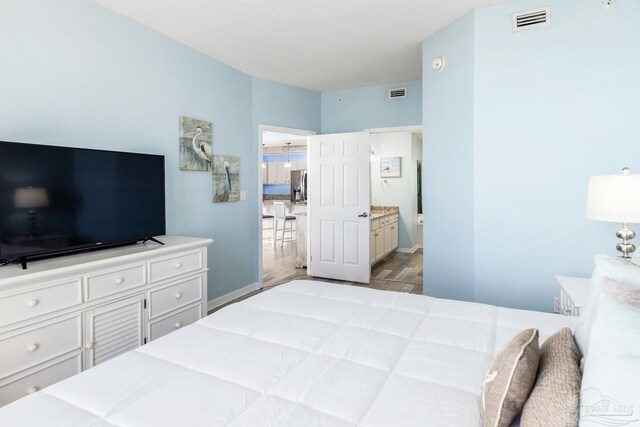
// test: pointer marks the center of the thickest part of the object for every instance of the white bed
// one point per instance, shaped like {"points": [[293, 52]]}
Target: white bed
{"points": [[302, 354]]}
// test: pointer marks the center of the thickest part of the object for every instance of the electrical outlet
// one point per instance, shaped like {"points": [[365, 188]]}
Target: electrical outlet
{"points": [[556, 305]]}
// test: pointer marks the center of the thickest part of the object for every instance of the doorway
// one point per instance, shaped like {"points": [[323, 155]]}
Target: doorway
{"points": [[396, 209], [282, 204], [398, 266]]}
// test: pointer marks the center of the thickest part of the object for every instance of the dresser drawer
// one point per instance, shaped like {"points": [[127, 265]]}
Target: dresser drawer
{"points": [[175, 296], [37, 381], [114, 281], [15, 308], [33, 346], [175, 322], [176, 265]]}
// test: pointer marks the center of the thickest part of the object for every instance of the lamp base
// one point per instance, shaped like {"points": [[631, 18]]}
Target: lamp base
{"points": [[625, 247]]}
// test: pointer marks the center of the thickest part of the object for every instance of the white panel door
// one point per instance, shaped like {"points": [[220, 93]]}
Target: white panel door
{"points": [[339, 206]]}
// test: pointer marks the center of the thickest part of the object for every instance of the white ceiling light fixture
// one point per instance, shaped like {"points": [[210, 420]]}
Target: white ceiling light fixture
{"points": [[288, 164]]}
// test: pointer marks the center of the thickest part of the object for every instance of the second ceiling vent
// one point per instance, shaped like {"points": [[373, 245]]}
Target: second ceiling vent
{"points": [[530, 19], [400, 92]]}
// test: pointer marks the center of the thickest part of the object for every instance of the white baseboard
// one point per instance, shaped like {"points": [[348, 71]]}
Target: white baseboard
{"points": [[409, 251], [227, 298]]}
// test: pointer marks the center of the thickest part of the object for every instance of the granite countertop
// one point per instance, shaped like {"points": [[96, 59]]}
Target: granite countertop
{"points": [[380, 211], [272, 197]]}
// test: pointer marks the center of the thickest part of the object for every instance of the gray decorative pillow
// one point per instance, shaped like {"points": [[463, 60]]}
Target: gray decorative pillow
{"points": [[554, 400], [510, 379]]}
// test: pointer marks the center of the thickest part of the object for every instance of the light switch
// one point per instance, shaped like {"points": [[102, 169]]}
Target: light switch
{"points": [[243, 195]]}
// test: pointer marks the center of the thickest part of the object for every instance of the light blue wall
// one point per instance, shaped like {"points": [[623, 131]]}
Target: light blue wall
{"points": [[294, 157], [447, 168], [76, 74], [276, 104], [370, 107], [276, 189], [551, 106]]}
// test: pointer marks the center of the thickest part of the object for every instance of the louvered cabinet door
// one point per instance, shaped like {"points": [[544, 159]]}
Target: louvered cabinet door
{"points": [[113, 329]]}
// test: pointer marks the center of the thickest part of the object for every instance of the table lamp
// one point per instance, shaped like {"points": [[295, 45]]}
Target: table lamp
{"points": [[31, 198], [616, 198]]}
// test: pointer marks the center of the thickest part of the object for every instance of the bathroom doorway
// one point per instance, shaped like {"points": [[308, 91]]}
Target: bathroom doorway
{"points": [[396, 209]]}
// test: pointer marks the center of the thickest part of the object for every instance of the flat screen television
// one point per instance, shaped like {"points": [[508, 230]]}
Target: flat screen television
{"points": [[56, 200]]}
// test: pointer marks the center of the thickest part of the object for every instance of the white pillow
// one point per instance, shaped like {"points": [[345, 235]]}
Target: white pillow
{"points": [[612, 367], [606, 266]]}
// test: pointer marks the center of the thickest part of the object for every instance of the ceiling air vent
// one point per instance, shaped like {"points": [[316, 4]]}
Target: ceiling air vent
{"points": [[530, 19], [398, 93]]}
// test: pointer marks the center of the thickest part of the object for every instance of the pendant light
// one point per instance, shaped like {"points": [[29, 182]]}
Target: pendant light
{"points": [[288, 164]]}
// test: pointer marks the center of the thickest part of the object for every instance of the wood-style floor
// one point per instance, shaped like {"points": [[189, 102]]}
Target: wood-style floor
{"points": [[398, 272]]}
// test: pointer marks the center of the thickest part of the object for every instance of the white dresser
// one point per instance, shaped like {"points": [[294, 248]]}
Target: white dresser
{"points": [[67, 314]]}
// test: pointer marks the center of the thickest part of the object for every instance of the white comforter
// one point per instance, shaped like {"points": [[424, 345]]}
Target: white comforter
{"points": [[303, 354]]}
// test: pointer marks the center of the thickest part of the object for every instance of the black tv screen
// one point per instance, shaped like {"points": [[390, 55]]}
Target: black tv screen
{"points": [[59, 199]]}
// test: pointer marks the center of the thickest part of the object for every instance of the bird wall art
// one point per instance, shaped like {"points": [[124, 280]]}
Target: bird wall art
{"points": [[195, 144], [226, 179]]}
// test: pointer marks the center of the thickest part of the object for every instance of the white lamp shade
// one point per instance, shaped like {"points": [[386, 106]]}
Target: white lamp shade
{"points": [[614, 198], [31, 197]]}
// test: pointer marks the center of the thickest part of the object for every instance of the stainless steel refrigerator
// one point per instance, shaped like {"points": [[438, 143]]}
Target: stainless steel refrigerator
{"points": [[299, 186]]}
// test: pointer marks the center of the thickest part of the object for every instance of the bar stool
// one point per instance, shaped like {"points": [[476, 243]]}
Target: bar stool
{"points": [[284, 219], [272, 218]]}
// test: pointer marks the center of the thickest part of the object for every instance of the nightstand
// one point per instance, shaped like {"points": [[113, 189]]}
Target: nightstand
{"points": [[573, 294]]}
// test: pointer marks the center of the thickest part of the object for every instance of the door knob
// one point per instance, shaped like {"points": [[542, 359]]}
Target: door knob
{"points": [[363, 215]]}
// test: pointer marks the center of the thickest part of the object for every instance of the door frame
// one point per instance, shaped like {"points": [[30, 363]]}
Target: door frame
{"points": [[261, 130], [412, 128]]}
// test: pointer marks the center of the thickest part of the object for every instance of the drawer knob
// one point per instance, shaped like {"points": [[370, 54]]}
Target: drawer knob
{"points": [[178, 265], [178, 295], [32, 348], [32, 303], [119, 281], [32, 390], [89, 345], [178, 325]]}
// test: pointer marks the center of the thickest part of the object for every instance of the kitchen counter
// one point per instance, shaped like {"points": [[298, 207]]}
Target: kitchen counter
{"points": [[290, 207]]}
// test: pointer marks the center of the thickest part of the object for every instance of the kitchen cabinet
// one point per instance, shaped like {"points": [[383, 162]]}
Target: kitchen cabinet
{"points": [[277, 173]]}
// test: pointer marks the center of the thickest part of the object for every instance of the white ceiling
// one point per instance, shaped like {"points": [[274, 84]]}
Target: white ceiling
{"points": [[277, 139], [316, 44]]}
